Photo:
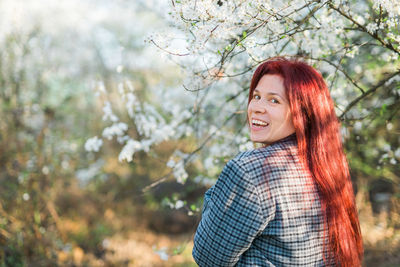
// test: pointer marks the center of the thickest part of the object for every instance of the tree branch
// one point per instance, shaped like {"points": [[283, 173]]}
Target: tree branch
{"points": [[374, 35], [367, 93], [188, 158]]}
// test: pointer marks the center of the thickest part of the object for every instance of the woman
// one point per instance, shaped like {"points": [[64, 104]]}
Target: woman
{"points": [[290, 202]]}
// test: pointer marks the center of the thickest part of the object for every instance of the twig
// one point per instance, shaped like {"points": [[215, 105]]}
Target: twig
{"points": [[364, 29], [171, 53], [54, 214], [367, 93], [187, 159]]}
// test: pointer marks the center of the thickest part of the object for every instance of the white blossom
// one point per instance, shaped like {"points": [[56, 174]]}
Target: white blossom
{"points": [[26, 196], [179, 172], [45, 170], [372, 27], [391, 6], [358, 126], [108, 114], [65, 164], [397, 153], [131, 104], [129, 149], [93, 144], [117, 129], [386, 147], [179, 204], [162, 253], [85, 175], [204, 180]]}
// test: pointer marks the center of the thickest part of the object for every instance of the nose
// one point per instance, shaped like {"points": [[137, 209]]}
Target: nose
{"points": [[259, 107]]}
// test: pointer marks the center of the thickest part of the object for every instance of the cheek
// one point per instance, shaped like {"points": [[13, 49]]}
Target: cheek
{"points": [[289, 120], [249, 110]]}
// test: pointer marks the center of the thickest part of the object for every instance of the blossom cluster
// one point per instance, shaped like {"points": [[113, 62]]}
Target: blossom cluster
{"points": [[217, 45]]}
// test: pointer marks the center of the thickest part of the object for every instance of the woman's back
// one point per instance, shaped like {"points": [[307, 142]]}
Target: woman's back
{"points": [[268, 193]]}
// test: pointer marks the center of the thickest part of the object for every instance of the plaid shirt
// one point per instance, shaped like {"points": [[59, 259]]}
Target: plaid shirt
{"points": [[264, 210]]}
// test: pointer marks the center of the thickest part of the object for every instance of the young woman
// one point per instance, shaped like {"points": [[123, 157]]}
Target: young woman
{"points": [[290, 202]]}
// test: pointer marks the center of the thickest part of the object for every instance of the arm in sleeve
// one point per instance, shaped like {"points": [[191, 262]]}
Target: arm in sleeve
{"points": [[231, 219]]}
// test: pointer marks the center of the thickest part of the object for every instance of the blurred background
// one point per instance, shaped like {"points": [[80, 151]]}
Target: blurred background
{"points": [[66, 202]]}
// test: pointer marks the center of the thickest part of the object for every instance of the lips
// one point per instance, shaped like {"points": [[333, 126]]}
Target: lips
{"points": [[259, 123]]}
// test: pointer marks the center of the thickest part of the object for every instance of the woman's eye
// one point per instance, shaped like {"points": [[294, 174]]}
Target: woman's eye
{"points": [[256, 97], [275, 101]]}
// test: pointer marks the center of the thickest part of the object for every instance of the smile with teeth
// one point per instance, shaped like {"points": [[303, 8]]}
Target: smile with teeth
{"points": [[259, 123]]}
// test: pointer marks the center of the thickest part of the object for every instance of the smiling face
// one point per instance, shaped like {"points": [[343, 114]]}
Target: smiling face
{"points": [[269, 112]]}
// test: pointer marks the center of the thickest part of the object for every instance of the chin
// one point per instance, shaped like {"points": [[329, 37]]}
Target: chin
{"points": [[259, 140]]}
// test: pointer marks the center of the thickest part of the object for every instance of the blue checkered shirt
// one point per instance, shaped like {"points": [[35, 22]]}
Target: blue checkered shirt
{"points": [[264, 210]]}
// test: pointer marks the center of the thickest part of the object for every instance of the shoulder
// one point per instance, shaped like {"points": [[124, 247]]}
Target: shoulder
{"points": [[271, 164], [284, 150]]}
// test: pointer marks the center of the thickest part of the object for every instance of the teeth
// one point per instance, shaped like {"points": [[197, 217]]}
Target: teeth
{"points": [[259, 122]]}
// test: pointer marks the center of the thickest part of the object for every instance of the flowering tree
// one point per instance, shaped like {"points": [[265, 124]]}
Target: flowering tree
{"points": [[218, 44], [193, 92], [51, 53]]}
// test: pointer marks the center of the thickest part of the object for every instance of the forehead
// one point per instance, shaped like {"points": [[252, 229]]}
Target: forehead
{"points": [[271, 84]]}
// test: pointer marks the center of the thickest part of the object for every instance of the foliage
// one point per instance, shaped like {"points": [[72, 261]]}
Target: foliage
{"points": [[46, 106]]}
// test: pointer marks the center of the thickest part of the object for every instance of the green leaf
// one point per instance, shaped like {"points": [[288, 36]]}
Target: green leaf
{"points": [[178, 250], [383, 109], [36, 217]]}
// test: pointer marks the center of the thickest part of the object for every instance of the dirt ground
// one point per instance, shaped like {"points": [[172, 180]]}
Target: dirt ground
{"points": [[138, 243], [145, 248]]}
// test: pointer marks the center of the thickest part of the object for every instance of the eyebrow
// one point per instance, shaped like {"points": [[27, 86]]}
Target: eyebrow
{"points": [[258, 91]]}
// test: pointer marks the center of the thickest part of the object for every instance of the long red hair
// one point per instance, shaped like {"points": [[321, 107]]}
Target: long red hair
{"points": [[321, 151]]}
